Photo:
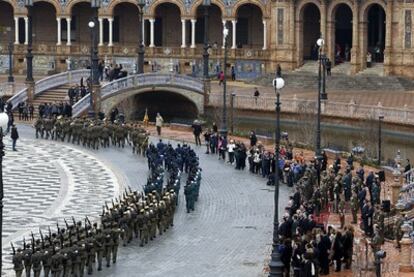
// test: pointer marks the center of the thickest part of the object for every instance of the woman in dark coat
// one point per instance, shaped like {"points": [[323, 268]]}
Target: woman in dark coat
{"points": [[338, 250]]}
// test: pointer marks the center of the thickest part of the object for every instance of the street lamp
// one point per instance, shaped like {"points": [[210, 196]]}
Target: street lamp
{"points": [[4, 119], [206, 5], [380, 119], [276, 265], [29, 55], [321, 94], [10, 78], [223, 130], [94, 79], [233, 95], [141, 50]]}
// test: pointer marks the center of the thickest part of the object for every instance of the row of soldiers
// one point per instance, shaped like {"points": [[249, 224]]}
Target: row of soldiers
{"points": [[175, 161], [93, 133], [68, 252]]}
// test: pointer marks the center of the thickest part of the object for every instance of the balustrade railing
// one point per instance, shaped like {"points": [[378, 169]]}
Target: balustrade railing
{"points": [[329, 108], [142, 80], [50, 82]]}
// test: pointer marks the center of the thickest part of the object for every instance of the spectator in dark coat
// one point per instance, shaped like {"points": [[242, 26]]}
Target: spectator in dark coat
{"points": [[338, 250], [14, 136]]}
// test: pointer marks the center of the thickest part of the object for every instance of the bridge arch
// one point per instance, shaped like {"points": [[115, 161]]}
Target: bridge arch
{"points": [[188, 89]]}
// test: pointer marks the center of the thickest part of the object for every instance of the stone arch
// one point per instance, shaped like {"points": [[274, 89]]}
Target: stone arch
{"points": [[302, 5], [334, 6], [114, 99], [55, 3], [44, 23], [257, 3], [113, 4], [13, 4], [71, 4], [198, 3], [332, 37], [363, 11], [154, 5]]}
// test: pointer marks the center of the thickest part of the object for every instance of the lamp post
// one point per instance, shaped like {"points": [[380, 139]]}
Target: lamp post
{"points": [[233, 95], [276, 265], [29, 55], [206, 5], [380, 119], [10, 78], [223, 130], [141, 50], [321, 95], [4, 119], [94, 79]]}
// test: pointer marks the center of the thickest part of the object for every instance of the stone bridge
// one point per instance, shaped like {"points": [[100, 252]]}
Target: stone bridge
{"points": [[117, 91]]}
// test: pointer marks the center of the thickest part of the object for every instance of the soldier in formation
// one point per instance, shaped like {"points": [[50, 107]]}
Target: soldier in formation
{"points": [[85, 246], [93, 133]]}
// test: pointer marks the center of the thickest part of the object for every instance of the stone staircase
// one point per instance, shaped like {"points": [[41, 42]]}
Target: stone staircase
{"points": [[54, 95], [371, 79]]}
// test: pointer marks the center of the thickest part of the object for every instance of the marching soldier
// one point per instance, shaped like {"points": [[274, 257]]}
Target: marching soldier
{"points": [[354, 208], [18, 261]]}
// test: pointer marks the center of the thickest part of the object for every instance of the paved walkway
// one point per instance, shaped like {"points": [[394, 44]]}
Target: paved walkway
{"points": [[229, 234]]}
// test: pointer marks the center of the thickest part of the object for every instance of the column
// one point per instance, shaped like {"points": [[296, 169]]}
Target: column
{"points": [[264, 35], [183, 33], [69, 37], [193, 24], [59, 31], [111, 21], [143, 32], [26, 30], [16, 30], [100, 31], [152, 21], [323, 21], [224, 26], [234, 46], [355, 39]]}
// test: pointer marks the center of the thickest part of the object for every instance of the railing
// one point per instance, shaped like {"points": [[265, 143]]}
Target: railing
{"points": [[141, 81], [337, 109], [50, 82], [6, 89]]}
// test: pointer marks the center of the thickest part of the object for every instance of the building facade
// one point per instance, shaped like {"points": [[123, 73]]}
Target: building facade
{"points": [[262, 34]]}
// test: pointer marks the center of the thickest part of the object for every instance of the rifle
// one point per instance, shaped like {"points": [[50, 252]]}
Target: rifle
{"points": [[113, 204], [50, 236], [57, 225], [41, 237], [24, 243], [130, 190], [33, 243], [89, 222], [66, 223], [73, 220], [12, 246], [106, 205]]}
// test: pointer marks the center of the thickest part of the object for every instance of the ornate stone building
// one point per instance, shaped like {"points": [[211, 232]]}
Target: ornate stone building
{"points": [[263, 33]]}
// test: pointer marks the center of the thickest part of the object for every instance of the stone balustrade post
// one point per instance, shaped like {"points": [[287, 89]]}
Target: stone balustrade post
{"points": [[351, 107], [396, 187], [323, 106], [379, 109], [295, 103], [406, 244], [405, 112], [30, 91]]}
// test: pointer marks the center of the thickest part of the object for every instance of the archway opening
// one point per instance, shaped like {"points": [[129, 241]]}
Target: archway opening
{"points": [[82, 13], [6, 20], [126, 24], [172, 106], [167, 25], [249, 27], [44, 23], [311, 31], [376, 32], [215, 25], [343, 33]]}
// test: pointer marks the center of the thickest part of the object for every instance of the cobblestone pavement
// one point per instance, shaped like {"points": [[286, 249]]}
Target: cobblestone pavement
{"points": [[45, 182], [229, 234]]}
